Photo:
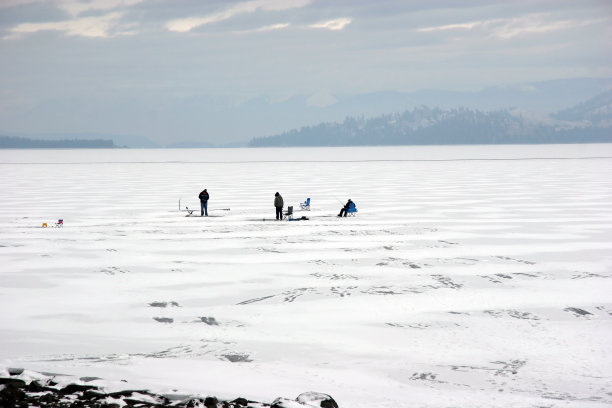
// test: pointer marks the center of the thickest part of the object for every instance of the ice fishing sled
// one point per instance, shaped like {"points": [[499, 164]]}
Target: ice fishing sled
{"points": [[191, 211]]}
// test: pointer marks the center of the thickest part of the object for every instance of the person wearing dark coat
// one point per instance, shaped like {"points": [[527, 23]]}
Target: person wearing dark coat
{"points": [[344, 209], [204, 203], [278, 203]]}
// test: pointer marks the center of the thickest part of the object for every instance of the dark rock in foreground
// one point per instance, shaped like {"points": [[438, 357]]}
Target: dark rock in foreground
{"points": [[15, 392], [307, 399]]}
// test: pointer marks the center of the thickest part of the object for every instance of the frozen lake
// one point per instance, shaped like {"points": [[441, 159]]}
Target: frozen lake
{"points": [[472, 275]]}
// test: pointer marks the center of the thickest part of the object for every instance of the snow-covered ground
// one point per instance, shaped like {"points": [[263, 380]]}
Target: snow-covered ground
{"points": [[471, 276]]}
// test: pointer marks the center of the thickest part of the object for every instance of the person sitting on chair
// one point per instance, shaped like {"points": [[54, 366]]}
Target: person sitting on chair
{"points": [[344, 209], [204, 202]]}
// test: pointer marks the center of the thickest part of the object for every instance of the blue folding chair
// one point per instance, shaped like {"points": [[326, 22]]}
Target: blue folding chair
{"points": [[352, 210], [305, 205]]}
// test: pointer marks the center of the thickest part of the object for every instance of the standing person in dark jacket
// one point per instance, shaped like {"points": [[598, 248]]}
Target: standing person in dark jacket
{"points": [[278, 203], [344, 209], [204, 202]]}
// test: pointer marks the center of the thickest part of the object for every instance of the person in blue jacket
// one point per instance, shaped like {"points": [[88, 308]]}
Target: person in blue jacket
{"points": [[344, 209]]}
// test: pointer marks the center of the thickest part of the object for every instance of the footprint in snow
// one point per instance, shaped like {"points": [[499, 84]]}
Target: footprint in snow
{"points": [[578, 312], [211, 321], [164, 304], [164, 319], [237, 358]]}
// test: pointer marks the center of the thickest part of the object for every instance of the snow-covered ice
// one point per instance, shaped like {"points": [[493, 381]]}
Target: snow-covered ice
{"points": [[471, 276]]}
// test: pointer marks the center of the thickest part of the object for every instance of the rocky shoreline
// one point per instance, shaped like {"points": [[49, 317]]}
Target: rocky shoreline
{"points": [[22, 389]]}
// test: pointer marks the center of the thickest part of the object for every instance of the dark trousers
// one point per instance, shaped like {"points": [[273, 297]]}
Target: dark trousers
{"points": [[204, 208], [279, 213], [343, 212]]}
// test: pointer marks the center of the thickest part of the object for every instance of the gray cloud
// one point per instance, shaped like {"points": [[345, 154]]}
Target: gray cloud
{"points": [[30, 13]]}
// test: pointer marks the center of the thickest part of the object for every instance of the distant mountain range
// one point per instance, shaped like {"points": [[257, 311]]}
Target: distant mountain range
{"points": [[208, 121], [594, 112], [589, 122]]}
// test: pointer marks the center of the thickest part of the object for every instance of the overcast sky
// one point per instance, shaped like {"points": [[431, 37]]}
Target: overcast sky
{"points": [[112, 55]]}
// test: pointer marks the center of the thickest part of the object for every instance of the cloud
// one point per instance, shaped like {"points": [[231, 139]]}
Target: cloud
{"points": [[321, 100], [76, 7], [98, 27], [463, 26], [13, 3], [273, 27], [264, 29], [184, 25], [536, 24], [336, 24], [507, 28]]}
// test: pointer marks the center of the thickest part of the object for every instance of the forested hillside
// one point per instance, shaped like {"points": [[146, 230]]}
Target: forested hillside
{"points": [[586, 123]]}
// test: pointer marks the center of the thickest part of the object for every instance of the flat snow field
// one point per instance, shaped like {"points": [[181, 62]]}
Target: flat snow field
{"points": [[472, 276]]}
